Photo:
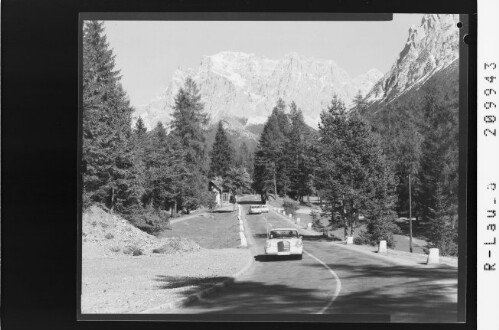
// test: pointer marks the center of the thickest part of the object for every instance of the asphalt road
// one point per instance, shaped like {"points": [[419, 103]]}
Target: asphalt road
{"points": [[332, 280]]}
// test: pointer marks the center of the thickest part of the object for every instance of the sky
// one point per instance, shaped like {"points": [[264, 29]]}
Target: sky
{"points": [[149, 52]]}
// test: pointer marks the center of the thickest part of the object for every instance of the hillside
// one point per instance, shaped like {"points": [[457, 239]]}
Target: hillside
{"points": [[431, 47], [106, 235]]}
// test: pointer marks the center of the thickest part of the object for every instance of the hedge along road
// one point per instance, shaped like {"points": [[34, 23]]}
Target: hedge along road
{"points": [[332, 280]]}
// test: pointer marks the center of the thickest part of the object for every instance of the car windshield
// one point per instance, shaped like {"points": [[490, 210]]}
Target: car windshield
{"points": [[284, 234]]}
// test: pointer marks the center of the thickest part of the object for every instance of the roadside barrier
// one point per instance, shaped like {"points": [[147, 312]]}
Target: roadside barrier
{"points": [[244, 241], [433, 256], [382, 247]]}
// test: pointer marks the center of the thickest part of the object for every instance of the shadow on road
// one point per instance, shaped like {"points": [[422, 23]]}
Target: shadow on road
{"points": [[319, 238], [224, 211], [409, 294], [267, 258], [252, 297], [250, 202], [195, 284]]}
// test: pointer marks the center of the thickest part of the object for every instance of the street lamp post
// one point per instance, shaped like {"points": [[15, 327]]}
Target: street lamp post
{"points": [[410, 215]]}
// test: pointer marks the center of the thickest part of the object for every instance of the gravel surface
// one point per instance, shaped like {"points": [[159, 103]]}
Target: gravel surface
{"points": [[124, 284], [107, 235], [116, 278]]}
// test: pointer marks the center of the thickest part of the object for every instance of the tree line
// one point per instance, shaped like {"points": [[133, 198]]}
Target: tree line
{"points": [[342, 162], [359, 163], [143, 174]]}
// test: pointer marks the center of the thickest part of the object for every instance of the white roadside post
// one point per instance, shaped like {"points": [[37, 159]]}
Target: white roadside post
{"points": [[309, 226], [433, 256], [244, 243], [290, 215], [297, 221], [382, 247], [350, 240]]}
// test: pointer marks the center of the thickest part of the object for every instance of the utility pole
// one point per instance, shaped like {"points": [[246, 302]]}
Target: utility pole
{"points": [[410, 215], [275, 184]]}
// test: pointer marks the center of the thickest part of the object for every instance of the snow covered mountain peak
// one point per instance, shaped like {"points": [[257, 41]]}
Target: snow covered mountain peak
{"points": [[242, 85], [430, 47]]}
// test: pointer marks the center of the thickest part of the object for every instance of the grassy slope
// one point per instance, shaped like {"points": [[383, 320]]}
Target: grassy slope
{"points": [[212, 231]]}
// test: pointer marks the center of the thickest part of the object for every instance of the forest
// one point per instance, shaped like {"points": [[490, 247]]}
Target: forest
{"points": [[357, 160]]}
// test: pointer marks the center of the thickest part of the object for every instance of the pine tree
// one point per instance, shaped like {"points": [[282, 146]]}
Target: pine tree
{"points": [[360, 106], [222, 154], [188, 132], [437, 190], [111, 178], [300, 155], [353, 175], [189, 122], [271, 170]]}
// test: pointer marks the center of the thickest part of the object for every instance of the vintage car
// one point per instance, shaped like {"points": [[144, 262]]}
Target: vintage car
{"points": [[255, 209], [265, 208], [284, 242]]}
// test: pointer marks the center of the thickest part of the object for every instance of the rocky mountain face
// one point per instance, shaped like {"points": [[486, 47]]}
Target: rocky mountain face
{"points": [[431, 47], [243, 88]]}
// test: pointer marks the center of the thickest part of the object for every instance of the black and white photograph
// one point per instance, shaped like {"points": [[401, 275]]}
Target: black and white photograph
{"points": [[271, 167]]}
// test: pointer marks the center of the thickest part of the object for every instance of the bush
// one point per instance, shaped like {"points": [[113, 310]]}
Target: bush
{"points": [[316, 221], [109, 236], [378, 229], [361, 239], [149, 220], [211, 201], [176, 244], [133, 250], [290, 206], [115, 249]]}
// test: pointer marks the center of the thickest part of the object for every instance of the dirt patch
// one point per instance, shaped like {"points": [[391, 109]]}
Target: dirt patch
{"points": [[123, 284]]}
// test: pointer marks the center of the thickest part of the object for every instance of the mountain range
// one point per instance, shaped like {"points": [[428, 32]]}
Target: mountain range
{"points": [[241, 89], [241, 85]]}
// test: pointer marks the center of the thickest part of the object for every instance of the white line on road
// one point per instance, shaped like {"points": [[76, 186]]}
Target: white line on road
{"points": [[336, 278]]}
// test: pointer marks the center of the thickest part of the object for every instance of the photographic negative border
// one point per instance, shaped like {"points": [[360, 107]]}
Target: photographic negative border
{"points": [[267, 16]]}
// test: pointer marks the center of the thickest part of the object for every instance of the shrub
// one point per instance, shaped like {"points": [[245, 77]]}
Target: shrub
{"points": [[316, 221], [377, 229], [175, 244], [149, 220], [290, 206], [211, 201], [109, 236], [361, 239], [115, 249], [133, 250]]}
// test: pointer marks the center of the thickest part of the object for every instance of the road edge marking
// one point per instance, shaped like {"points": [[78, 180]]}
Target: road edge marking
{"points": [[336, 278]]}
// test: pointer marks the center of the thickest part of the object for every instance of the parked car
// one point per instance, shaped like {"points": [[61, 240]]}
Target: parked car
{"points": [[284, 242], [255, 209], [265, 208]]}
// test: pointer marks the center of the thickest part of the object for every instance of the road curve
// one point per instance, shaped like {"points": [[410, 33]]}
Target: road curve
{"points": [[332, 280]]}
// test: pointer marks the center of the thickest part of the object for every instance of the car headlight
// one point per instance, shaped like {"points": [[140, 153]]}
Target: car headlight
{"points": [[299, 243], [269, 244]]}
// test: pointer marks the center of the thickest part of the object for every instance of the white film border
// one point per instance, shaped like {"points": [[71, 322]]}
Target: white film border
{"points": [[488, 165]]}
